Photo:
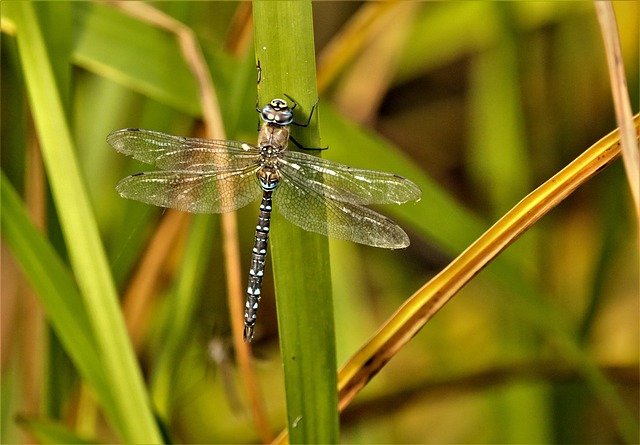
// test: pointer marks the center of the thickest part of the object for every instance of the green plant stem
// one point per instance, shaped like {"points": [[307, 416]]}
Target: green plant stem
{"points": [[133, 419], [285, 50]]}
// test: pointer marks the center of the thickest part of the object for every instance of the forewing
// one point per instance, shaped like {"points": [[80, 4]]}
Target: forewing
{"points": [[347, 184], [177, 153], [192, 192], [319, 213]]}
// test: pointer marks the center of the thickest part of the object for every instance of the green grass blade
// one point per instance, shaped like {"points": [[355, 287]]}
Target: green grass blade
{"points": [[498, 162], [134, 53], [285, 49], [134, 420], [58, 293], [47, 431], [183, 304]]}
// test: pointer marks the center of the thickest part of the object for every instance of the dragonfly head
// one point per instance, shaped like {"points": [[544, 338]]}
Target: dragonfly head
{"points": [[277, 112]]}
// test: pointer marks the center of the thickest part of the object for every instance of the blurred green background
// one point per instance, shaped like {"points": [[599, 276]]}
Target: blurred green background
{"points": [[477, 102]]}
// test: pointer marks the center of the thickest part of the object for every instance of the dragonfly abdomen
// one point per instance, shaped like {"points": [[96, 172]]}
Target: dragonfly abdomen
{"points": [[256, 272]]}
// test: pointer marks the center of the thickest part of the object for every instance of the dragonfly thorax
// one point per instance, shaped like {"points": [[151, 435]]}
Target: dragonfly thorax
{"points": [[274, 137], [277, 112]]}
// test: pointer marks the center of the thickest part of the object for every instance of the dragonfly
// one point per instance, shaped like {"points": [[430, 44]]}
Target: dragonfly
{"points": [[199, 175]]}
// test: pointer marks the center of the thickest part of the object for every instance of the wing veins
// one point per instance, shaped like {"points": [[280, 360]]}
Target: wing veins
{"points": [[348, 184]]}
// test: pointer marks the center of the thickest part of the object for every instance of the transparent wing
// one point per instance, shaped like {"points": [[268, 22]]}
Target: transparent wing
{"points": [[193, 192], [319, 213], [348, 184], [177, 153]]}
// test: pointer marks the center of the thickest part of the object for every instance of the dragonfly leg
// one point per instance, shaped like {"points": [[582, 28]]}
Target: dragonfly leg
{"points": [[302, 147], [299, 124]]}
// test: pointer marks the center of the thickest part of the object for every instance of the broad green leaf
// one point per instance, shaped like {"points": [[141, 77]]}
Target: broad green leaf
{"points": [[135, 54]]}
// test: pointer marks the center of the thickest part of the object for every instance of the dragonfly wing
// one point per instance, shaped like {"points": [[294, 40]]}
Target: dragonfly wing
{"points": [[192, 192], [348, 184], [177, 153], [319, 213]]}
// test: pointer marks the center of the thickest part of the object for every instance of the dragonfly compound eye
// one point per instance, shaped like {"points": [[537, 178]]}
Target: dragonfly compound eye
{"points": [[275, 113], [284, 117]]}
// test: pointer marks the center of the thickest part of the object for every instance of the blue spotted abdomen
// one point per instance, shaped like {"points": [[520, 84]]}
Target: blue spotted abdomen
{"points": [[256, 272]]}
